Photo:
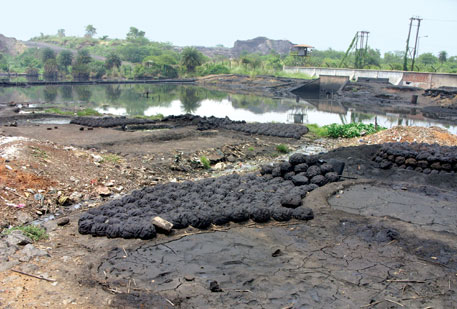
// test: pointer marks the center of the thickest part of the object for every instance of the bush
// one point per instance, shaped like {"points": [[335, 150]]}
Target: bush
{"points": [[351, 130], [210, 69], [205, 162], [33, 232], [282, 148]]}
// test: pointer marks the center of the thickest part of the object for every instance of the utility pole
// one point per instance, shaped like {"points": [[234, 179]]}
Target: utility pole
{"points": [[405, 62], [415, 44]]}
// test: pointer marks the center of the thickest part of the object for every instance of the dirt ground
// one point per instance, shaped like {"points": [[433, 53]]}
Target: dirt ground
{"points": [[385, 239]]}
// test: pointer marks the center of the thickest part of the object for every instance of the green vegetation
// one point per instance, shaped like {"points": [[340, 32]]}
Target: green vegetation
{"points": [[58, 111], [39, 153], [319, 131], [351, 130], [135, 57], [111, 158], [251, 148], [205, 162], [87, 112], [281, 148], [152, 117], [33, 232]]}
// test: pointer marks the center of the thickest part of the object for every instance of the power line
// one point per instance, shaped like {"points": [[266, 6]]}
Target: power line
{"points": [[441, 20]]}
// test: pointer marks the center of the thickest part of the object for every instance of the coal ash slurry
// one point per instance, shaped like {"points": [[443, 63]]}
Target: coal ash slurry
{"points": [[203, 123], [278, 195], [342, 266], [428, 207], [426, 158]]}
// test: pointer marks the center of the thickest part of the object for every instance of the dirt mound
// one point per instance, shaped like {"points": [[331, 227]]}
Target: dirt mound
{"points": [[425, 158], [404, 134]]}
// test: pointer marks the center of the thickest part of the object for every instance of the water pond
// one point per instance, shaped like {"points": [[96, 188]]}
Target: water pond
{"points": [[147, 100]]}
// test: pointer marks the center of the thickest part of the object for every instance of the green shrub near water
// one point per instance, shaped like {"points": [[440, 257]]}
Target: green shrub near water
{"points": [[351, 130]]}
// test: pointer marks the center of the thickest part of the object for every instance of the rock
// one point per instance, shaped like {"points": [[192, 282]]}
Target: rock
{"points": [[189, 278], [30, 251], [300, 180], [214, 287], [285, 167], [24, 218], [411, 162], [63, 221], [219, 166], [297, 158], [319, 180], [97, 158], [162, 223], [299, 168], [303, 213], [436, 166], [17, 238], [103, 191], [291, 201], [313, 171], [76, 196]]}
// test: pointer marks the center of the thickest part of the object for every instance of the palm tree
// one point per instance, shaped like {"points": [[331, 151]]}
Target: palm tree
{"points": [[191, 58]]}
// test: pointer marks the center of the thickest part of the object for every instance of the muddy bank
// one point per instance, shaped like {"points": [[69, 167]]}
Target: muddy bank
{"points": [[268, 86]]}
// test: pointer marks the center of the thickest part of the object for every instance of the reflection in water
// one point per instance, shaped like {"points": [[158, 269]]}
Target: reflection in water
{"points": [[189, 100], [166, 99]]}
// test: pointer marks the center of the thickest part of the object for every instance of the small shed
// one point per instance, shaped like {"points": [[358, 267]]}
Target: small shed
{"points": [[302, 50]]}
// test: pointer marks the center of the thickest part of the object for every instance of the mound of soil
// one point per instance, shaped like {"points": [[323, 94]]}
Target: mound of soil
{"points": [[109, 122], [426, 158]]}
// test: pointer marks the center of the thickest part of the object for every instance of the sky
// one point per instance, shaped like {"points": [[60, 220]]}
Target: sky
{"points": [[322, 24]]}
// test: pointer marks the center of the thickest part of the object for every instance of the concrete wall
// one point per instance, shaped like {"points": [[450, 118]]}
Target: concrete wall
{"points": [[416, 79], [332, 83]]}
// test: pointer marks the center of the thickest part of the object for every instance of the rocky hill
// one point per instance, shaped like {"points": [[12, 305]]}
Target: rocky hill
{"points": [[262, 45], [11, 46]]}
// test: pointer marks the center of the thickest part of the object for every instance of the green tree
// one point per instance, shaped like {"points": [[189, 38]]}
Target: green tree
{"points": [[61, 33], [113, 60], [80, 71], [98, 69], [51, 70], [427, 59], [64, 59], [442, 56], [191, 59], [47, 54], [83, 57], [136, 36], [90, 31], [134, 53]]}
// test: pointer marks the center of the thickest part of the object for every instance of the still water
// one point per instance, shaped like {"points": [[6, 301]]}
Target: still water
{"points": [[147, 100]]}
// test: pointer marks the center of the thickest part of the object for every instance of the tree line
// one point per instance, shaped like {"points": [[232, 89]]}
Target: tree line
{"points": [[137, 57]]}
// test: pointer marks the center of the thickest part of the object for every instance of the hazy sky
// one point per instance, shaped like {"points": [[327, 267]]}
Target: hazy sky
{"points": [[321, 23]]}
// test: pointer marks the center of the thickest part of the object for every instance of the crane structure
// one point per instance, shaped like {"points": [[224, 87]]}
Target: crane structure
{"points": [[359, 44]]}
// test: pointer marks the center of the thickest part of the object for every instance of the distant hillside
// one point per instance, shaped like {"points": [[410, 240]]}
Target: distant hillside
{"points": [[261, 45], [11, 46]]}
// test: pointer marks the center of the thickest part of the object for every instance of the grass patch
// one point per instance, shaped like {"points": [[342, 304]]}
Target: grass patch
{"points": [[57, 111], [153, 117], [111, 158], [33, 232], [251, 148], [38, 153], [319, 131], [281, 148], [205, 162], [351, 130], [87, 112]]}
